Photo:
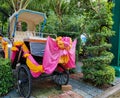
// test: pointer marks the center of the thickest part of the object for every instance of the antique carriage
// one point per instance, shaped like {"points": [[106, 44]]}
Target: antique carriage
{"points": [[33, 54]]}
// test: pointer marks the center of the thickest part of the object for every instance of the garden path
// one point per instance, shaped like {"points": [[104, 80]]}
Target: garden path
{"points": [[46, 88]]}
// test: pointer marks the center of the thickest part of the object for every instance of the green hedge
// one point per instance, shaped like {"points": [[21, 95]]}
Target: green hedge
{"points": [[99, 76], [6, 76]]}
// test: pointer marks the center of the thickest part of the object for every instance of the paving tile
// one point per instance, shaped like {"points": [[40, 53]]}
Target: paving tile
{"points": [[116, 81], [73, 94], [88, 89], [32, 97], [6, 97], [82, 89]]}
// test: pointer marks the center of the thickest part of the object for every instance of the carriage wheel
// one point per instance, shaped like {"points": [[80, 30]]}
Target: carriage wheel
{"points": [[61, 77], [24, 81]]}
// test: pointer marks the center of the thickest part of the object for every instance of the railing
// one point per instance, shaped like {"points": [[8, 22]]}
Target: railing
{"points": [[20, 35]]}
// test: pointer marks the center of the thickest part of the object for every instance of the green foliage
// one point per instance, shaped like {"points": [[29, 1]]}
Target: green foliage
{"points": [[63, 22], [73, 35], [66, 24], [101, 60], [5, 12], [71, 71], [53, 23], [99, 76], [98, 49], [71, 23], [98, 29], [6, 76]]}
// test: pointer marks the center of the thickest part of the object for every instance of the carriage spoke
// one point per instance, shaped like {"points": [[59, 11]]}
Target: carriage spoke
{"points": [[61, 78], [24, 81]]}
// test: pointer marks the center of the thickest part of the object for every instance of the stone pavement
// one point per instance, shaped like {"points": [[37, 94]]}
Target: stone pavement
{"points": [[47, 89], [79, 88], [87, 91], [116, 81]]}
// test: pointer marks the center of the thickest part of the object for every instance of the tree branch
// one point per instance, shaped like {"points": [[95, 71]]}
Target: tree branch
{"points": [[21, 3], [13, 5], [26, 4]]}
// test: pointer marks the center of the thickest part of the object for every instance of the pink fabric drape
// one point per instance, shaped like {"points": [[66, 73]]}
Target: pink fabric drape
{"points": [[34, 74], [13, 55], [53, 53]]}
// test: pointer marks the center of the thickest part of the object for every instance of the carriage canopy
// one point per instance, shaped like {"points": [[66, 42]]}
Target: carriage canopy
{"points": [[31, 18]]}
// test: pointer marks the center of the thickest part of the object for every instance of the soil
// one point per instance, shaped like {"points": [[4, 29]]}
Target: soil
{"points": [[105, 86]]}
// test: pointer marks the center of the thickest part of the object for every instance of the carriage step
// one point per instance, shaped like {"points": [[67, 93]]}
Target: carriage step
{"points": [[66, 87]]}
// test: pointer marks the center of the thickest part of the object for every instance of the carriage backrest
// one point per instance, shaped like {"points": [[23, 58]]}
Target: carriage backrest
{"points": [[21, 35], [37, 48], [31, 18]]}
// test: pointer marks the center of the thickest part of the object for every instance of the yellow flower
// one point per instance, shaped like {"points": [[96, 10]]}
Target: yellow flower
{"points": [[61, 45], [14, 49], [24, 47], [26, 55], [64, 59], [0, 37], [18, 43]]}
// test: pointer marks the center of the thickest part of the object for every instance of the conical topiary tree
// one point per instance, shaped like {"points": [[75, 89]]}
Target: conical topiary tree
{"points": [[98, 29]]}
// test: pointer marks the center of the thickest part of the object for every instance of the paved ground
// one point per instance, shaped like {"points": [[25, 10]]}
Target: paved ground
{"points": [[87, 91], [117, 93], [47, 89]]}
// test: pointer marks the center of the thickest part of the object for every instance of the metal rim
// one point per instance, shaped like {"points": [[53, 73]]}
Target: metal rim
{"points": [[24, 81], [61, 77]]}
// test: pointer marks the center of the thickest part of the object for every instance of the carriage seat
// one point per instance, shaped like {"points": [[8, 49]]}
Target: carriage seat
{"points": [[20, 35], [37, 46]]}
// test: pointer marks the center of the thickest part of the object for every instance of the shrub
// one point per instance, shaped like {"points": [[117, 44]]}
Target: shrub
{"points": [[6, 76], [97, 49], [99, 76]]}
